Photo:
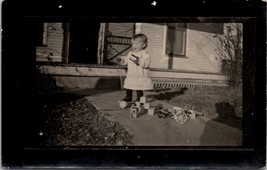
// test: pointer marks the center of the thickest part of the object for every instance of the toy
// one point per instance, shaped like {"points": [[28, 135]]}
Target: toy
{"points": [[190, 114], [179, 116], [151, 111], [123, 104], [133, 58], [137, 109], [143, 100], [161, 112], [147, 105]]}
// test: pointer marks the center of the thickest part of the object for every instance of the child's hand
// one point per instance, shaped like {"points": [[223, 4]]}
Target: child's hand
{"points": [[118, 60], [134, 59]]}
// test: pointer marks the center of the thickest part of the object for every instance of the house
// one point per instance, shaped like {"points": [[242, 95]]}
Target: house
{"points": [[82, 54]]}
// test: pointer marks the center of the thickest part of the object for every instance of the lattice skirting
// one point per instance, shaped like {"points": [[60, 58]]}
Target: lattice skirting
{"points": [[192, 83], [162, 83]]}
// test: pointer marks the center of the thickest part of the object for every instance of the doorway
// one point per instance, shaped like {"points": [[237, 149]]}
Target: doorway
{"points": [[83, 42]]}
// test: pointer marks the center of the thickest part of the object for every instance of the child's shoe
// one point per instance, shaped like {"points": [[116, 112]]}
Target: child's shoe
{"points": [[127, 99]]}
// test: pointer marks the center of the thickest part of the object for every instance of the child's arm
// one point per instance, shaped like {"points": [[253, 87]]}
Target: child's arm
{"points": [[122, 60], [144, 60]]}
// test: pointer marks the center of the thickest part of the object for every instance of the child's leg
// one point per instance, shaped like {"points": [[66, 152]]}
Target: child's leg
{"points": [[129, 94], [139, 94]]}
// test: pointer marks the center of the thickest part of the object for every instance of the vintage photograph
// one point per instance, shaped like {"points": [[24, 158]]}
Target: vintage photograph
{"points": [[123, 84], [138, 84]]}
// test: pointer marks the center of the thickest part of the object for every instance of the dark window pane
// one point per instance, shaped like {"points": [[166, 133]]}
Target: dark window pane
{"points": [[175, 39]]}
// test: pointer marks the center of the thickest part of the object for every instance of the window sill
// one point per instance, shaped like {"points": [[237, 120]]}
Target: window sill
{"points": [[175, 56], [80, 65]]}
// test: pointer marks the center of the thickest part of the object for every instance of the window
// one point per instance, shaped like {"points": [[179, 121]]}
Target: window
{"points": [[175, 44]]}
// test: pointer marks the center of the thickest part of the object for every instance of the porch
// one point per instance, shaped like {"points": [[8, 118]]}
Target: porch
{"points": [[97, 76]]}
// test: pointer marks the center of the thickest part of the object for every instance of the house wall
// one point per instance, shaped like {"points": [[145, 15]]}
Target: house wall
{"points": [[201, 53], [54, 35], [121, 29], [197, 66]]}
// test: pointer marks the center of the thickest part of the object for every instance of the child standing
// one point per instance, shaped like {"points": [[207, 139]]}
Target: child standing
{"points": [[137, 61]]}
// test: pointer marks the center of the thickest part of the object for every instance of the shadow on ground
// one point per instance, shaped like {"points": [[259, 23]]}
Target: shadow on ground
{"points": [[217, 134], [167, 95], [227, 115], [73, 94]]}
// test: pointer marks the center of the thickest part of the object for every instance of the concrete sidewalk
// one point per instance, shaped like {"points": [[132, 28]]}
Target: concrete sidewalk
{"points": [[153, 131]]}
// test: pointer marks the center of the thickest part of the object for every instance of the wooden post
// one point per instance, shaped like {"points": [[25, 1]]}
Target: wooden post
{"points": [[101, 44], [105, 42], [66, 42], [138, 28], [134, 27]]}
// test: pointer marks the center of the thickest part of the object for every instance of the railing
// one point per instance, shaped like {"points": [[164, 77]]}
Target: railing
{"points": [[118, 40]]}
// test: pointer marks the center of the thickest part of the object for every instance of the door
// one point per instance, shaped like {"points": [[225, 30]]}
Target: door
{"points": [[83, 42]]}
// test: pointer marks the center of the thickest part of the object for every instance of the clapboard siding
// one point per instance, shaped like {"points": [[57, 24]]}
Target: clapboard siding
{"points": [[55, 36], [54, 48], [154, 33], [201, 53], [121, 29]]}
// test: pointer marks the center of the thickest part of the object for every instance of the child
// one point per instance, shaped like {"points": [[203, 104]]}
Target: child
{"points": [[137, 61]]}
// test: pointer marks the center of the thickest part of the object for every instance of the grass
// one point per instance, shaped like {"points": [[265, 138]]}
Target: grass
{"points": [[221, 104], [66, 119], [78, 123]]}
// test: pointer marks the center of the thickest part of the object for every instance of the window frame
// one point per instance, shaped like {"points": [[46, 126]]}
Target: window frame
{"points": [[165, 36]]}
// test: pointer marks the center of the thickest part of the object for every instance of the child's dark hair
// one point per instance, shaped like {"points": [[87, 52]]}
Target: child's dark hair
{"points": [[141, 36]]}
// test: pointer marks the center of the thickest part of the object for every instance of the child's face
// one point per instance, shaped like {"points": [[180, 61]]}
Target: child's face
{"points": [[138, 45]]}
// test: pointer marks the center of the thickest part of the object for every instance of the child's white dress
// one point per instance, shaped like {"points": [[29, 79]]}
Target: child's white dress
{"points": [[137, 77]]}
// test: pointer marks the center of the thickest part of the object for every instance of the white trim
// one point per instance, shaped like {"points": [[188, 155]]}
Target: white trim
{"points": [[187, 31], [185, 42], [164, 39], [87, 71], [138, 28], [45, 26]]}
